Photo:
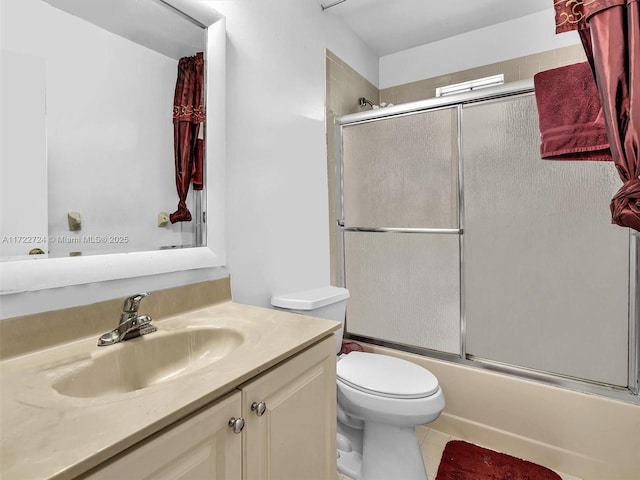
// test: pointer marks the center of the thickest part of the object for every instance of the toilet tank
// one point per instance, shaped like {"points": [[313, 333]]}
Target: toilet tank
{"points": [[325, 302]]}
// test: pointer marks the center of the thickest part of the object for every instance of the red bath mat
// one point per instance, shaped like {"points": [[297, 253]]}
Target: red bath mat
{"points": [[465, 461]]}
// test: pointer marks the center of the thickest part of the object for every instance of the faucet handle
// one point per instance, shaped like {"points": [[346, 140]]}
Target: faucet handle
{"points": [[132, 303]]}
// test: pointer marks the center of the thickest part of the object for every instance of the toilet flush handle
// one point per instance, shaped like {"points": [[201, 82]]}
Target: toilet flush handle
{"points": [[259, 408]]}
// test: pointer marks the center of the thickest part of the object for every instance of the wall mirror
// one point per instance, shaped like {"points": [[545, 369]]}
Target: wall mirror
{"points": [[88, 169]]}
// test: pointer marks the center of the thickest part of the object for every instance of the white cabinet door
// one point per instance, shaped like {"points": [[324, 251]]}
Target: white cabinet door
{"points": [[295, 437], [202, 446]]}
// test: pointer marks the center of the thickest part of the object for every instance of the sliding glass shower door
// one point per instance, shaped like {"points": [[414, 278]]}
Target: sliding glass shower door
{"points": [[401, 242], [458, 241], [546, 274]]}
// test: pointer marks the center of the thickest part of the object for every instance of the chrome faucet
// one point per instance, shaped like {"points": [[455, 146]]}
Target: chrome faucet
{"points": [[131, 324]]}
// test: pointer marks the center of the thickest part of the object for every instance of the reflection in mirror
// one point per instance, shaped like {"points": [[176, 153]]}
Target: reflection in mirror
{"points": [[88, 162]]}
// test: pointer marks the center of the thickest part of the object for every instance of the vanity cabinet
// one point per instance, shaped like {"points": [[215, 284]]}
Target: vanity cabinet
{"points": [[289, 432]]}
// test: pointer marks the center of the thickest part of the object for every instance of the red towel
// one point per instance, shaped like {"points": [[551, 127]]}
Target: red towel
{"points": [[570, 116]]}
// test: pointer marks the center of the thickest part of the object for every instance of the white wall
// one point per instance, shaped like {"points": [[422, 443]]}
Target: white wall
{"points": [[278, 232], [516, 38]]}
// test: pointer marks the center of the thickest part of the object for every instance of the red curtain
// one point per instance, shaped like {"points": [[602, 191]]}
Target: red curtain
{"points": [[188, 131], [610, 34]]}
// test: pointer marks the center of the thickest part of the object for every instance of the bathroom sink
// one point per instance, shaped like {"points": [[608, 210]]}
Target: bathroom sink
{"points": [[147, 361]]}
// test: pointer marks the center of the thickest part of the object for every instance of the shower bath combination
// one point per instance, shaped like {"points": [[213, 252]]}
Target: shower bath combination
{"points": [[420, 171]]}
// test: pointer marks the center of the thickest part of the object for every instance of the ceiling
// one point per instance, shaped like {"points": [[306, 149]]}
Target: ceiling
{"points": [[389, 26]]}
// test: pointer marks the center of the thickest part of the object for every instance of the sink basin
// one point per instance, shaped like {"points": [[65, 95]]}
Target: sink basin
{"points": [[147, 360]]}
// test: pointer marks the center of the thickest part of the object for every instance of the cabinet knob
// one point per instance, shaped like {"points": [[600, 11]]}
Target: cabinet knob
{"points": [[236, 424], [259, 408]]}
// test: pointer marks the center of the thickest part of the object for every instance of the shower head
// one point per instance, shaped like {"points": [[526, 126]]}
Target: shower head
{"points": [[363, 101]]}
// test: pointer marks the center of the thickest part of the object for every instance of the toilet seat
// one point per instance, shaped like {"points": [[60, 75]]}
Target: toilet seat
{"points": [[386, 376]]}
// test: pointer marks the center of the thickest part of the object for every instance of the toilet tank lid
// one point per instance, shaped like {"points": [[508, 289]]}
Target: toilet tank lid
{"points": [[310, 299]]}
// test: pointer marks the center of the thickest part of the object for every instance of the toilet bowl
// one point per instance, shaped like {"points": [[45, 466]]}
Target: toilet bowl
{"points": [[380, 399]]}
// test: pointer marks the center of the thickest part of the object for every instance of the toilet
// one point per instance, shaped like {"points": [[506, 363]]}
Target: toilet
{"points": [[381, 399]]}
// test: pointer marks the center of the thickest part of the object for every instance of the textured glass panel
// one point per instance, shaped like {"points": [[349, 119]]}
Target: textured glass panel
{"points": [[402, 171], [545, 272], [405, 288]]}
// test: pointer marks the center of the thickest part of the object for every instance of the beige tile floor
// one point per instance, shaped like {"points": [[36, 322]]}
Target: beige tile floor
{"points": [[432, 443]]}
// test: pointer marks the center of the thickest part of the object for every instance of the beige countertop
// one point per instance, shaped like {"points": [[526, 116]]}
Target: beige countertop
{"points": [[47, 435]]}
